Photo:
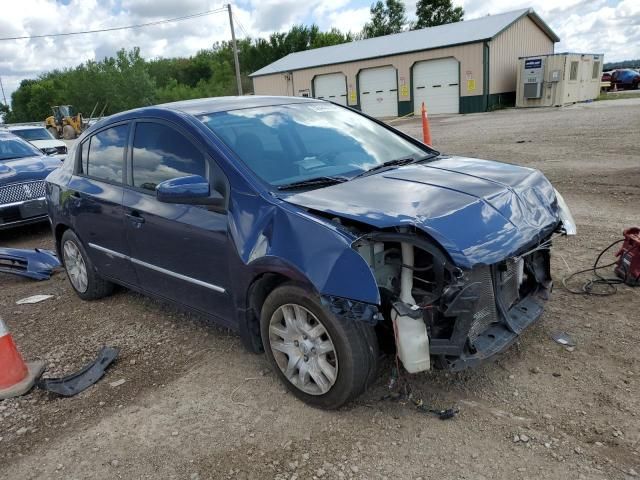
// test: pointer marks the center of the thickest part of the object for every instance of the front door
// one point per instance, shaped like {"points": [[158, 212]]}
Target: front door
{"points": [[179, 252]]}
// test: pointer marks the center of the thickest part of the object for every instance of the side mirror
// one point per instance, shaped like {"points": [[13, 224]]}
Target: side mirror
{"points": [[191, 190]]}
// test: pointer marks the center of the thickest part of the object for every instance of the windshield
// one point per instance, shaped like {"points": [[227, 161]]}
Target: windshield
{"points": [[292, 143], [11, 148], [66, 110], [33, 134]]}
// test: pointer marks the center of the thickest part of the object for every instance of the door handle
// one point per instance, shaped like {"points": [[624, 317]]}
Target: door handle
{"points": [[134, 217]]}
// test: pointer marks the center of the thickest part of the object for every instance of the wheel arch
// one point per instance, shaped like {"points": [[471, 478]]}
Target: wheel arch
{"points": [[58, 232], [268, 274]]}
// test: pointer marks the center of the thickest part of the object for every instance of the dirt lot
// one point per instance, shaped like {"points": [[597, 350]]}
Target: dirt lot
{"points": [[194, 404]]}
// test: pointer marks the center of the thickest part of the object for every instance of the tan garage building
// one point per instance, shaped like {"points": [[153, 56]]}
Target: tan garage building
{"points": [[461, 67]]}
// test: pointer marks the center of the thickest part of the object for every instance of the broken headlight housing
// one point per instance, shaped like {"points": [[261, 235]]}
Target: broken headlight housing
{"points": [[568, 222]]}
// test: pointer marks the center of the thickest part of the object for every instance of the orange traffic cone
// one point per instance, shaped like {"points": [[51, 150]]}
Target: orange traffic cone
{"points": [[426, 131], [16, 376]]}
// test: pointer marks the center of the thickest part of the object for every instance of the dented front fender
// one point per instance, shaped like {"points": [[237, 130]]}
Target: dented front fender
{"points": [[282, 238]]}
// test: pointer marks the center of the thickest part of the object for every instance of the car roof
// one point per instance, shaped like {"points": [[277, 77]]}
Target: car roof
{"points": [[22, 127], [201, 106], [5, 133]]}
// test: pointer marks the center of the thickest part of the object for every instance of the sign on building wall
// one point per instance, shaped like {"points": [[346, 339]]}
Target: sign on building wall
{"points": [[353, 98], [471, 82], [404, 88]]}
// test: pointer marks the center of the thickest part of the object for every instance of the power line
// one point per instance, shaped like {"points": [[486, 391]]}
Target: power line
{"points": [[127, 27], [240, 25]]}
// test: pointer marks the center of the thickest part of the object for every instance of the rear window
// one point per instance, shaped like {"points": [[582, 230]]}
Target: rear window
{"points": [[33, 134], [103, 154]]}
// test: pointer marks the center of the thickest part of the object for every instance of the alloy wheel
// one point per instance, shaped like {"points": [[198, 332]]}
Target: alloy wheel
{"points": [[76, 268], [303, 349]]}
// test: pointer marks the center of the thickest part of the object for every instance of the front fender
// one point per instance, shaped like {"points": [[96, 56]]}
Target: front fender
{"points": [[285, 239]]}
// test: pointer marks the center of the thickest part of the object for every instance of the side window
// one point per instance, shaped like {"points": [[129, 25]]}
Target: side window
{"points": [[573, 75], [161, 153], [596, 69], [105, 159]]}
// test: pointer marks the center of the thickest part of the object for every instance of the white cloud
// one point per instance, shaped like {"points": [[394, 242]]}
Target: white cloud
{"points": [[611, 27]]}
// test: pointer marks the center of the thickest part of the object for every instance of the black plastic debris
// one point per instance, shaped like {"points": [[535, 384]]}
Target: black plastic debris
{"points": [[83, 379], [36, 264]]}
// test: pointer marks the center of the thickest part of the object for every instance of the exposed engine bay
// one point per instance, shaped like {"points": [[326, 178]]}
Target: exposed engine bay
{"points": [[447, 317]]}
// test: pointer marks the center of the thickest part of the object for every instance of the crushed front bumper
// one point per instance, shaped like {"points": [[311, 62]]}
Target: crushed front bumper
{"points": [[490, 309]]}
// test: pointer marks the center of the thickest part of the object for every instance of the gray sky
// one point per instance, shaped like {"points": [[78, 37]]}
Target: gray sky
{"points": [[611, 27]]}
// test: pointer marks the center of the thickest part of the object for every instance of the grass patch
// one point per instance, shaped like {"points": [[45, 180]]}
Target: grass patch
{"points": [[618, 96]]}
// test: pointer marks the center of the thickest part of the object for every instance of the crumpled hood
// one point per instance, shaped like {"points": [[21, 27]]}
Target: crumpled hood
{"points": [[26, 169], [479, 211]]}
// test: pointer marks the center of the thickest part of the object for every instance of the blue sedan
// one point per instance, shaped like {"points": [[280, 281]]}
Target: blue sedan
{"points": [[23, 169], [320, 235]]}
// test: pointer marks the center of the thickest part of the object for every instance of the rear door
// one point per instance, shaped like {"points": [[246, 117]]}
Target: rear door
{"points": [[179, 252], [96, 190]]}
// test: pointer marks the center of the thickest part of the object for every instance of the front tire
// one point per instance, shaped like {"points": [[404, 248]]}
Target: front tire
{"points": [[80, 270], [68, 132], [323, 360]]}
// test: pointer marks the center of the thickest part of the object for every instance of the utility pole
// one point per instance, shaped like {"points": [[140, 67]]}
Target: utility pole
{"points": [[2, 88], [235, 51]]}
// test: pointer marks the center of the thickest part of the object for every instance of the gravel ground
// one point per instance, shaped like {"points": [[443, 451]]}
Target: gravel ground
{"points": [[195, 405]]}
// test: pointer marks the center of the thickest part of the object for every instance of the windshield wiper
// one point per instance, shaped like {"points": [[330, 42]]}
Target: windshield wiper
{"points": [[312, 182], [398, 162]]}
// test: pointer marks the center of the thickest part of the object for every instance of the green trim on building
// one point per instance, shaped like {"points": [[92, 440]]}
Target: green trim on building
{"points": [[472, 104], [405, 108]]}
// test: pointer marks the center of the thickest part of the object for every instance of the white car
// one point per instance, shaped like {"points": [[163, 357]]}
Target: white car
{"points": [[40, 138]]}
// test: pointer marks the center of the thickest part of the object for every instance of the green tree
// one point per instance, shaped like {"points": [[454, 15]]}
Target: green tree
{"points": [[127, 80], [386, 18], [431, 13], [4, 112]]}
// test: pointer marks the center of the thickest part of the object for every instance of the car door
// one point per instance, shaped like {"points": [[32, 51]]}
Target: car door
{"points": [[179, 251], [95, 191]]}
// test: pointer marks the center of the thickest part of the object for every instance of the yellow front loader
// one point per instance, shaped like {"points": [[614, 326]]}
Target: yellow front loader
{"points": [[65, 123]]}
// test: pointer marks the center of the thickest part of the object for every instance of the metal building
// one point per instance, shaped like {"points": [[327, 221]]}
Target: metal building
{"points": [[461, 67], [558, 79]]}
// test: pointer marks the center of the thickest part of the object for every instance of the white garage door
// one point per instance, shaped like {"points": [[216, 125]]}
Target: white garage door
{"points": [[379, 92], [331, 87], [437, 84]]}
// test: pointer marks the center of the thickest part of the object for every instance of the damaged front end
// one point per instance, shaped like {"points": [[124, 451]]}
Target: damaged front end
{"points": [[445, 316]]}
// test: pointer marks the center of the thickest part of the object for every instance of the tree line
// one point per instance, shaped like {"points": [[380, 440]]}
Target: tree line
{"points": [[622, 64], [127, 80]]}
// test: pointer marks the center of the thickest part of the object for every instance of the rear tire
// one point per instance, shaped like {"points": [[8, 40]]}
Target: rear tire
{"points": [[80, 270], [323, 360]]}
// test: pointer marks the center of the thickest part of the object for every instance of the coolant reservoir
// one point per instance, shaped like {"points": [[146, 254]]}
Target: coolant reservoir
{"points": [[412, 343], [412, 340]]}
